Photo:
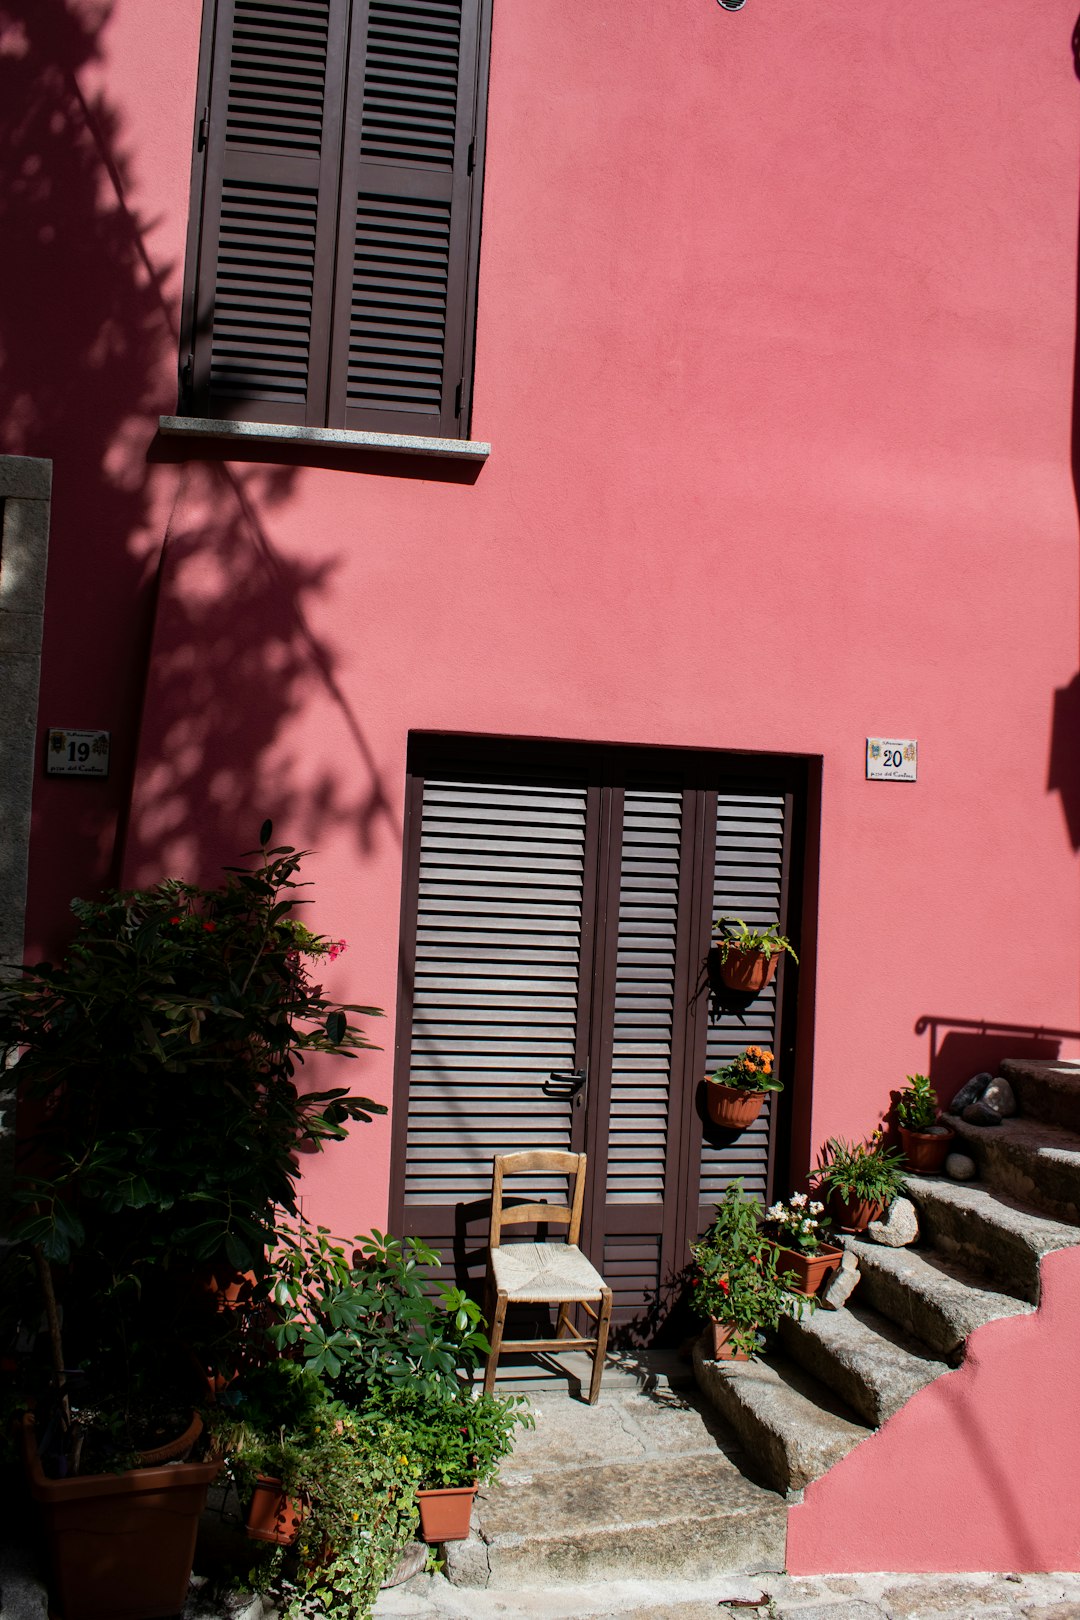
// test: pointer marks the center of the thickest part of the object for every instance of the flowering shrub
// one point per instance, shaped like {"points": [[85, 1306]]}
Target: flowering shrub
{"points": [[752, 1070], [796, 1224], [735, 1278]]}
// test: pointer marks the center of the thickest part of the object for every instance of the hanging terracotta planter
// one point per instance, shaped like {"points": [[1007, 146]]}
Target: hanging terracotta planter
{"points": [[445, 1515], [747, 971], [732, 1107], [811, 1270], [926, 1151], [853, 1214], [722, 1347], [273, 1516]]}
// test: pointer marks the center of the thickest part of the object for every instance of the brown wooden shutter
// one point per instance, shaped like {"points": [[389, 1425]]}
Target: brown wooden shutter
{"points": [[747, 883], [502, 961], [409, 222], [266, 252], [338, 234]]}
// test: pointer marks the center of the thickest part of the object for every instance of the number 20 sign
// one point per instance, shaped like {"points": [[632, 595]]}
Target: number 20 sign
{"points": [[891, 759]]}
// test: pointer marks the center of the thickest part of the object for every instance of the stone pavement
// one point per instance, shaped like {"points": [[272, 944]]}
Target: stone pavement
{"points": [[759, 1597]]}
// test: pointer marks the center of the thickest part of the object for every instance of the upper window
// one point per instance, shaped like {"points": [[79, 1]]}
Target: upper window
{"points": [[336, 215]]}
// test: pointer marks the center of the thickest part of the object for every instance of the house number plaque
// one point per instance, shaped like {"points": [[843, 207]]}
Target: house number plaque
{"points": [[891, 759], [76, 753]]}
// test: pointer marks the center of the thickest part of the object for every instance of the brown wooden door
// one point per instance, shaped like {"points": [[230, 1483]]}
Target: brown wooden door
{"points": [[557, 911]]}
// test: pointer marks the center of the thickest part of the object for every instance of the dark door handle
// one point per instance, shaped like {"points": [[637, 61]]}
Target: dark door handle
{"points": [[568, 1083]]}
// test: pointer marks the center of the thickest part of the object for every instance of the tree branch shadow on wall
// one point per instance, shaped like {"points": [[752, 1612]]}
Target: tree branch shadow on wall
{"points": [[88, 343]]}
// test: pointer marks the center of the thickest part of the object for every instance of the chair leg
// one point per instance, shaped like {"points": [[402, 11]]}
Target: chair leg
{"points": [[601, 1346], [497, 1323], [562, 1321]]}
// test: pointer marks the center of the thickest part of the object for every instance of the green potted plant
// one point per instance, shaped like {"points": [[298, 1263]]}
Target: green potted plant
{"points": [[735, 1093], [456, 1439], [331, 1493], [924, 1139], [159, 1122], [748, 957], [797, 1230], [860, 1180], [736, 1280]]}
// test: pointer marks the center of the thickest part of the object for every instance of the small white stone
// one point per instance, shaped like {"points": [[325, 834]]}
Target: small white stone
{"points": [[960, 1167], [842, 1284], [999, 1096], [898, 1227]]}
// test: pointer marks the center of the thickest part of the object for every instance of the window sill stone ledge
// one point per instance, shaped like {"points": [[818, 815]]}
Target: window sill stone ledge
{"points": [[402, 444]]}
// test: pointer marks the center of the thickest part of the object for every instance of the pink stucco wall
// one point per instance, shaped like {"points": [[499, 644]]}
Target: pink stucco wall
{"points": [[981, 1470], [775, 352]]}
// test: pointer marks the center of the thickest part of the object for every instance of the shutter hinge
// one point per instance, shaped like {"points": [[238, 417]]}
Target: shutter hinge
{"points": [[470, 162], [204, 128], [187, 374], [457, 397]]}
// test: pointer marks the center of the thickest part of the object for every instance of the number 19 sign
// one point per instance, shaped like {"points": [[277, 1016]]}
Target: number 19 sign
{"points": [[891, 759], [77, 753]]}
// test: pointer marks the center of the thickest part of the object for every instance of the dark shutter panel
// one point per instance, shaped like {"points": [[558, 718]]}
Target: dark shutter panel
{"points": [[643, 1017], [750, 832], [266, 248], [409, 225], [497, 981]]}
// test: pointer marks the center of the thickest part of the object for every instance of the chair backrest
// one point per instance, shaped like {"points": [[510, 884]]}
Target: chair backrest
{"points": [[520, 1164]]}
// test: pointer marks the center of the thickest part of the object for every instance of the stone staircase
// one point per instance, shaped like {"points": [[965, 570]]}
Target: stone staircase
{"points": [[642, 1485], [840, 1375]]}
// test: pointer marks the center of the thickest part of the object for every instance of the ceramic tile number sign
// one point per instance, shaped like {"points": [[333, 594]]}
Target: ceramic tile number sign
{"points": [[76, 753], [891, 759]]}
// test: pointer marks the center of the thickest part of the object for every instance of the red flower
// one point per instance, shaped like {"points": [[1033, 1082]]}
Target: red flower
{"points": [[209, 927], [725, 1285], [174, 919]]}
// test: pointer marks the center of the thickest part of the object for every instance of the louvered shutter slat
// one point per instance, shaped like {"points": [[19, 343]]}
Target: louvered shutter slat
{"points": [[266, 262], [487, 1027], [750, 832]]}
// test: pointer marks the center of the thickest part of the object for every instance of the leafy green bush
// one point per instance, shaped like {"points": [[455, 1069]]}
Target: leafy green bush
{"points": [[455, 1437], [375, 1325], [735, 1277]]}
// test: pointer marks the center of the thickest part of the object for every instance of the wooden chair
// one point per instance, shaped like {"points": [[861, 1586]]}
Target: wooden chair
{"points": [[543, 1273]]}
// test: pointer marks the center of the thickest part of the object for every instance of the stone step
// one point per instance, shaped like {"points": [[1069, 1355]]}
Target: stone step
{"points": [[1034, 1162], [793, 1427], [933, 1298], [866, 1359], [1046, 1091], [681, 1517], [988, 1231]]}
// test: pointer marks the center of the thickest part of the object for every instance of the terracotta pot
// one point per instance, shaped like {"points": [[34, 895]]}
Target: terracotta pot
{"points": [[722, 1347], [445, 1515], [748, 971], [853, 1215], [926, 1151], [732, 1106], [810, 1269], [121, 1545], [273, 1516]]}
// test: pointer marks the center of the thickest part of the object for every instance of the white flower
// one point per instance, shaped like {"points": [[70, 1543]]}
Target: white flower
{"points": [[798, 1200], [817, 1209], [776, 1213]]}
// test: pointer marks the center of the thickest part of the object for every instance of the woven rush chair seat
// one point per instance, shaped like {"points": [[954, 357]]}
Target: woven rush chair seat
{"points": [[543, 1273]]}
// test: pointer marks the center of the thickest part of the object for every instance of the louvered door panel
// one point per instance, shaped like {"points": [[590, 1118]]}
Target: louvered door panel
{"points": [[261, 321], [497, 977], [407, 219], [748, 881], [642, 1020]]}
